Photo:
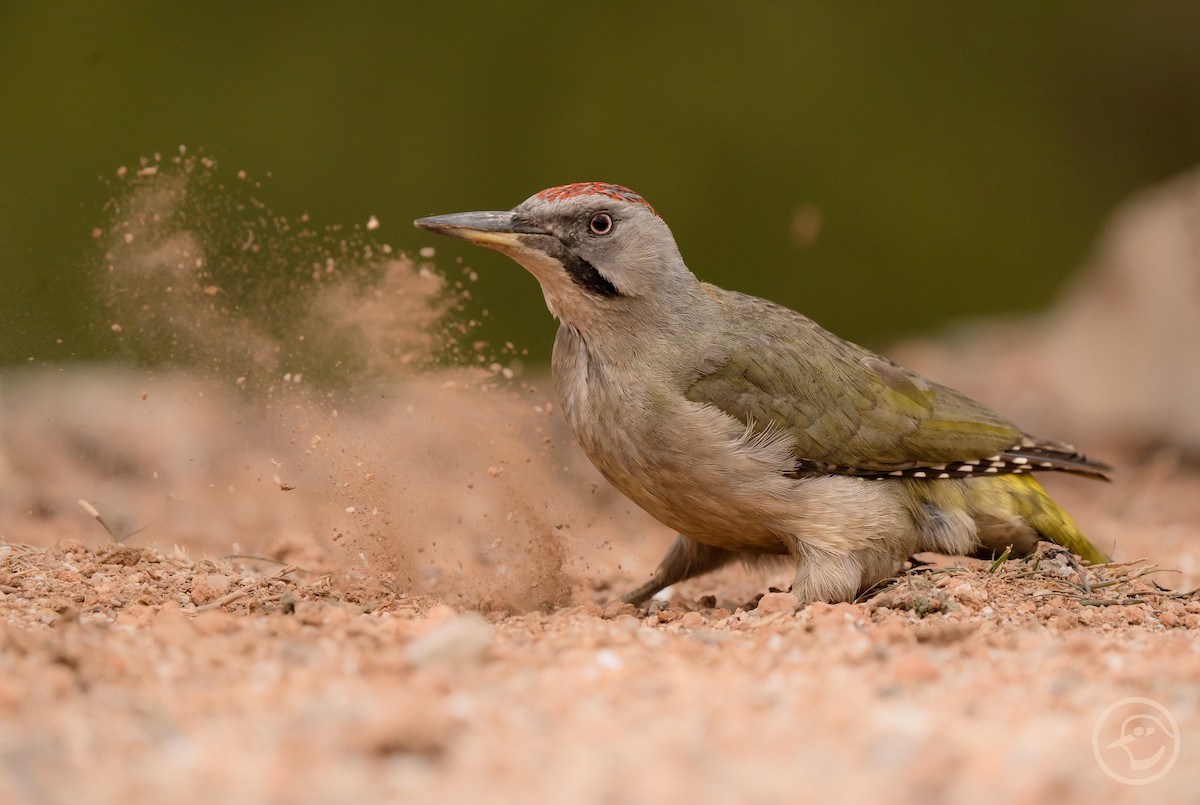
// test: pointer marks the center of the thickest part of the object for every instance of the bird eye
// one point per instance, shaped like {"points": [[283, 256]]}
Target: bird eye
{"points": [[601, 223]]}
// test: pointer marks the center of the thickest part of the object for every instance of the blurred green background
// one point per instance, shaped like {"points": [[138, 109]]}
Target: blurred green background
{"points": [[952, 159]]}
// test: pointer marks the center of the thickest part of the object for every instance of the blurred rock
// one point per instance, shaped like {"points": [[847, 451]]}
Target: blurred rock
{"points": [[1123, 341], [458, 643], [413, 722], [1114, 361]]}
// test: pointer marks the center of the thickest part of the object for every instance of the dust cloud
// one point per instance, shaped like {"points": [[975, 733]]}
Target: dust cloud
{"points": [[305, 394], [198, 271]]}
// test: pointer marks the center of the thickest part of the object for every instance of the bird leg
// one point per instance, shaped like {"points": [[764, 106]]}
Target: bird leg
{"points": [[686, 558], [831, 577]]}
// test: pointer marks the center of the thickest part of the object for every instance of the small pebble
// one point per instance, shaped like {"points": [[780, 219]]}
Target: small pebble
{"points": [[617, 609], [771, 603]]}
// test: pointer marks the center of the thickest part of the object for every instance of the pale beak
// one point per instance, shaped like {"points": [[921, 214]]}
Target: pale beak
{"points": [[496, 229]]}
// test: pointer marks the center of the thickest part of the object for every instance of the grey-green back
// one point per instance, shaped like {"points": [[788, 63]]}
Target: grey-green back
{"points": [[844, 406]]}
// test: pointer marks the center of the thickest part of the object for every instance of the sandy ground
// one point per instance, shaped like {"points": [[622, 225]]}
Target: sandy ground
{"points": [[350, 661], [285, 590]]}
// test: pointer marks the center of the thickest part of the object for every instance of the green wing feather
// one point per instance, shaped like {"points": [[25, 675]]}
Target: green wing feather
{"points": [[842, 405], [852, 411]]}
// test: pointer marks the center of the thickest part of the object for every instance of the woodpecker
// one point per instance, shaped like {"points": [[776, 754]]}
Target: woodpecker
{"points": [[752, 431]]}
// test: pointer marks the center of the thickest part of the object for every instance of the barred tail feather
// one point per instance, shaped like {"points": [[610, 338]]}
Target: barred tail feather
{"points": [[1040, 455]]}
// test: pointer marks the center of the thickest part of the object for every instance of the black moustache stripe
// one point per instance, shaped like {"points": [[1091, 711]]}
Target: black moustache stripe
{"points": [[581, 272], [585, 275]]}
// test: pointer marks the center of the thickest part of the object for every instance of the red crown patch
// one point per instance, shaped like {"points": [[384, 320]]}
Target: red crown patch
{"points": [[613, 191]]}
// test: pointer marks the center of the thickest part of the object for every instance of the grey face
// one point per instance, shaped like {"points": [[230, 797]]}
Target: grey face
{"points": [[580, 234], [590, 246]]}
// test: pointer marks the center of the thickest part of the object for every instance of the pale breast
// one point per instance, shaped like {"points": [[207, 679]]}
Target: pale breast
{"points": [[692, 467]]}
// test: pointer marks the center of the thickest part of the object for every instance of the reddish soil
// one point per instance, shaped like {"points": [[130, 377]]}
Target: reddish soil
{"points": [[349, 662]]}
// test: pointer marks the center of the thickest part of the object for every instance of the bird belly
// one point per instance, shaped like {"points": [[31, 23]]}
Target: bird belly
{"points": [[704, 474], [707, 475], [706, 492]]}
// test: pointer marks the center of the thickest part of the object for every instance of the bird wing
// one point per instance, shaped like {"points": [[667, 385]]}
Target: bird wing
{"points": [[851, 411]]}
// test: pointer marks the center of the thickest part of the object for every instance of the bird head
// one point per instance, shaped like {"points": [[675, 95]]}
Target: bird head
{"points": [[597, 249]]}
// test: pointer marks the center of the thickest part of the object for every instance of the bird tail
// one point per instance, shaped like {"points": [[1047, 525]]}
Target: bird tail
{"points": [[987, 516], [1038, 454], [1034, 505]]}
